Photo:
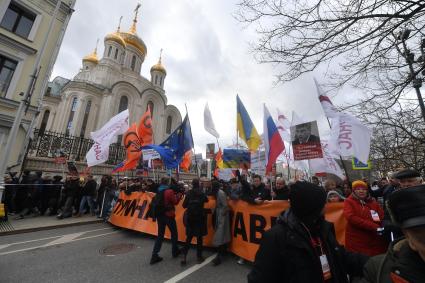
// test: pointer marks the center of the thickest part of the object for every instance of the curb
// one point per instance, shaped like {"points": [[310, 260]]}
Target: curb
{"points": [[35, 229]]}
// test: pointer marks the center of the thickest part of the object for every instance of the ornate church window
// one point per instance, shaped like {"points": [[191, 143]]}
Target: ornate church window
{"points": [[150, 105], [85, 119], [71, 115], [109, 51], [123, 105], [116, 53], [44, 122], [169, 123], [133, 62]]}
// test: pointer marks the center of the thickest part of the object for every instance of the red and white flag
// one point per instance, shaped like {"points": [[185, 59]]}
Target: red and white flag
{"points": [[348, 135], [283, 125], [328, 107]]}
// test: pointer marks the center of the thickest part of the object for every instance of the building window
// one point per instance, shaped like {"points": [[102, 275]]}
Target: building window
{"points": [[44, 122], [116, 53], [169, 123], [71, 115], [18, 20], [49, 91], [109, 51], [85, 119], [133, 62], [160, 81], [74, 104], [123, 105], [150, 105], [156, 79], [7, 68]]}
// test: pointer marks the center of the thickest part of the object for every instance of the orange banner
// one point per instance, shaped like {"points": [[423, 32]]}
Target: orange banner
{"points": [[248, 222]]}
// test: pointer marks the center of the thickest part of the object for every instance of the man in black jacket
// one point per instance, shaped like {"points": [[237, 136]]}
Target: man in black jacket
{"points": [[255, 193], [70, 190], [281, 192], [88, 194], [302, 247], [405, 259]]}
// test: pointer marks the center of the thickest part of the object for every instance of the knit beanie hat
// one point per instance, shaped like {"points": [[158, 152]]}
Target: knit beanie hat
{"points": [[358, 184], [307, 200]]}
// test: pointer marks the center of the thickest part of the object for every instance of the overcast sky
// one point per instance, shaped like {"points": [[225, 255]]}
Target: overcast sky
{"points": [[207, 57]]}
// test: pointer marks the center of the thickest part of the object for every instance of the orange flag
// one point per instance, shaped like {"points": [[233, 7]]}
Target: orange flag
{"points": [[144, 131], [187, 161], [132, 144], [134, 139]]}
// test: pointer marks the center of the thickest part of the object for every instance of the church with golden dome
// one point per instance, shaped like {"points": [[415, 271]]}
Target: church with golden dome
{"points": [[107, 85]]}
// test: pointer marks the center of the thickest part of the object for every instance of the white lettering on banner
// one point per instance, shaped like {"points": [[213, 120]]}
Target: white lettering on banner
{"points": [[345, 134]]}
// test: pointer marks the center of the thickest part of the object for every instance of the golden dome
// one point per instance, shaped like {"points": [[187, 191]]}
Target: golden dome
{"points": [[91, 57], [135, 41], [158, 66], [115, 36], [131, 36]]}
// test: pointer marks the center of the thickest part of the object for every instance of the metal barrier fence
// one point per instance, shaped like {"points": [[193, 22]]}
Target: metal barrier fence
{"points": [[52, 144]]}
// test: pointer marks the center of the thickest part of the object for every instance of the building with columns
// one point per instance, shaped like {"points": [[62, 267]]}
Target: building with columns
{"points": [[107, 84]]}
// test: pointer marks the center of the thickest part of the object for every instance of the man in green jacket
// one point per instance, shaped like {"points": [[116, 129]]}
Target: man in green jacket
{"points": [[404, 261]]}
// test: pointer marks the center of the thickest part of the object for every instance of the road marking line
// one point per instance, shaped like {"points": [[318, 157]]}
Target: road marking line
{"points": [[4, 246], [189, 271], [64, 239], [53, 237], [43, 246]]}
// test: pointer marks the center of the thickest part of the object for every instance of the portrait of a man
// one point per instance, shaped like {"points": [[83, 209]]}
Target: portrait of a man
{"points": [[303, 134]]}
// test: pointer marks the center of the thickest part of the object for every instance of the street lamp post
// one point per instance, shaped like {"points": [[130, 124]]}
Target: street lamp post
{"points": [[409, 56]]}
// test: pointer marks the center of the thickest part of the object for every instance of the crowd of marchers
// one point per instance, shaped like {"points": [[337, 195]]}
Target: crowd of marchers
{"points": [[384, 238]]}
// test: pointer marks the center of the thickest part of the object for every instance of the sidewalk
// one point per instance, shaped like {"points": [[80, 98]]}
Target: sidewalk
{"points": [[30, 224]]}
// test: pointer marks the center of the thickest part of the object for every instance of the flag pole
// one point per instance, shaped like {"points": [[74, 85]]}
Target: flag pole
{"points": [[194, 152], [237, 132]]}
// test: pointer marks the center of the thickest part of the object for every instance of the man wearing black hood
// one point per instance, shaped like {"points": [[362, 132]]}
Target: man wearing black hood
{"points": [[302, 246]]}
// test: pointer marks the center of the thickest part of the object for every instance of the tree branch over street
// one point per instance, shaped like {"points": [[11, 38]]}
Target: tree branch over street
{"points": [[357, 37]]}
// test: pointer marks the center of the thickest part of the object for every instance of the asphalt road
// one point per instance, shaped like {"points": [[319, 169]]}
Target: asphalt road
{"points": [[102, 253]]}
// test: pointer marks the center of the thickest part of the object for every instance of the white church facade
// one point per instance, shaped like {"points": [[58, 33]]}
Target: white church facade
{"points": [[106, 86]]}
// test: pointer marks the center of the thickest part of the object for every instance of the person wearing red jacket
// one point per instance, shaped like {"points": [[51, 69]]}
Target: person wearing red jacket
{"points": [[167, 219], [364, 221]]}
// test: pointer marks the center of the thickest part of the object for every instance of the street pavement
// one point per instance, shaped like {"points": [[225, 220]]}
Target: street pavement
{"points": [[102, 253]]}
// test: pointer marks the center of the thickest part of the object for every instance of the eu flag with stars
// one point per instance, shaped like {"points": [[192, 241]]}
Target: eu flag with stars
{"points": [[175, 146]]}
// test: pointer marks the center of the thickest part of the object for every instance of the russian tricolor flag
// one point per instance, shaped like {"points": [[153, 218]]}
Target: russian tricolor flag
{"points": [[273, 143]]}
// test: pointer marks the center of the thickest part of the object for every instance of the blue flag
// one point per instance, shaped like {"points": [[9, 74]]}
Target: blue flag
{"points": [[175, 146]]}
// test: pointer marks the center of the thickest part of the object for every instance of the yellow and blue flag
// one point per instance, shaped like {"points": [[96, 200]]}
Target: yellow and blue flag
{"points": [[236, 158], [246, 128]]}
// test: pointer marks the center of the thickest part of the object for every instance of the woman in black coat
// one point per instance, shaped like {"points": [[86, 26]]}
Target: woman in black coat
{"points": [[194, 219]]}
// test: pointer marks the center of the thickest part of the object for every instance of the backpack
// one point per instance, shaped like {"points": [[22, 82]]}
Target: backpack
{"points": [[157, 206]]}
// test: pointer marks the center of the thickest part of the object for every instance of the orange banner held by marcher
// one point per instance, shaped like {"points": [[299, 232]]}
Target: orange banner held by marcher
{"points": [[144, 131], [248, 222]]}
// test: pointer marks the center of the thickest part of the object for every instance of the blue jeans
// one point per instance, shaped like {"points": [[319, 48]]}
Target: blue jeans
{"points": [[170, 222], [89, 201]]}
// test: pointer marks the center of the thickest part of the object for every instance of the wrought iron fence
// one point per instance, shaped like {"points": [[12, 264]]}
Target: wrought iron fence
{"points": [[52, 144]]}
